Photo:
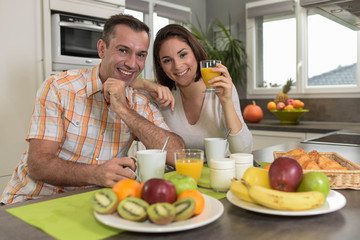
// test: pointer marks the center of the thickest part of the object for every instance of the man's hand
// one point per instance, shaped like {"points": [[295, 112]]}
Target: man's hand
{"points": [[115, 95], [112, 171]]}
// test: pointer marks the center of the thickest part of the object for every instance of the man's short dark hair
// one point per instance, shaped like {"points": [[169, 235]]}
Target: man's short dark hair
{"points": [[128, 20]]}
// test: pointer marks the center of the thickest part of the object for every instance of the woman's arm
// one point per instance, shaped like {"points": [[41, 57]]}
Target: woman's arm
{"points": [[240, 138], [224, 84], [160, 93], [242, 141]]}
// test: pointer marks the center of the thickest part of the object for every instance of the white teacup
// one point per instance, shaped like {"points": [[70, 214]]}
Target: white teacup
{"points": [[215, 148], [150, 163]]}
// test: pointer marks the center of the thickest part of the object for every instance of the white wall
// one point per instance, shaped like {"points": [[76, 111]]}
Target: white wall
{"points": [[21, 70]]}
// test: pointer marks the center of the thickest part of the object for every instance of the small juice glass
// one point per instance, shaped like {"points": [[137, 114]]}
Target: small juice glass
{"points": [[206, 67], [189, 162]]}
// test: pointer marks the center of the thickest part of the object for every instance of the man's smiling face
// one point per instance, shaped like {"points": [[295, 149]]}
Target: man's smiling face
{"points": [[124, 58]]}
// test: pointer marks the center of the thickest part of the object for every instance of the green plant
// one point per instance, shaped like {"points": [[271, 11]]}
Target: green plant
{"points": [[225, 47]]}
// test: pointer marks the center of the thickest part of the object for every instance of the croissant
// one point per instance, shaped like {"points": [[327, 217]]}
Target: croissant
{"points": [[314, 160]]}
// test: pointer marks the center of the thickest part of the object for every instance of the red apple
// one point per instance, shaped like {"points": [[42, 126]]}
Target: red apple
{"points": [[280, 106], [157, 190], [289, 101], [285, 174]]}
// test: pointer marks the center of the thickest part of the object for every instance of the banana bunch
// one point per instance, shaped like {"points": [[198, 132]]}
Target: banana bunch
{"points": [[288, 201], [240, 190], [279, 200]]}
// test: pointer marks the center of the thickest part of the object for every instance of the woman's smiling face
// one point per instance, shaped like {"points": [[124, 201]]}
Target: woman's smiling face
{"points": [[178, 61]]}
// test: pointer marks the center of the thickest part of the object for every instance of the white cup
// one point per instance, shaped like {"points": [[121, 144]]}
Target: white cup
{"points": [[150, 163], [215, 148], [242, 162]]}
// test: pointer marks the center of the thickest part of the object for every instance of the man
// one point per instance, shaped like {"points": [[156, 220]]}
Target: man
{"points": [[84, 121]]}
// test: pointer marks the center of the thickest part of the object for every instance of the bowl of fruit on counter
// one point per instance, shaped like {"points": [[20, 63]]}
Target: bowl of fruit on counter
{"points": [[288, 110]]}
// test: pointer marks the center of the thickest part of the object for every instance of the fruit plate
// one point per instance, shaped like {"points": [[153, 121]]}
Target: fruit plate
{"points": [[289, 116], [212, 211], [334, 202]]}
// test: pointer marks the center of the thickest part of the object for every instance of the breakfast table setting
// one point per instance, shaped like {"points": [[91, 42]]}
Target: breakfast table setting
{"points": [[70, 215]]}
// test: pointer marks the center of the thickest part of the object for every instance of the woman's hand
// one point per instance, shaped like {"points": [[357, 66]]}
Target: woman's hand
{"points": [[223, 83], [161, 94]]}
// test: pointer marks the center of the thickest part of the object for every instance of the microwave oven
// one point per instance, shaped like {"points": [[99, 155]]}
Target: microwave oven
{"points": [[74, 41]]}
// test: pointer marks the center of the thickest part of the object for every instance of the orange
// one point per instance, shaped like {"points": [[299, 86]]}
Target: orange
{"points": [[302, 105], [271, 106], [289, 107], [298, 104], [267, 167], [127, 187], [197, 196]]}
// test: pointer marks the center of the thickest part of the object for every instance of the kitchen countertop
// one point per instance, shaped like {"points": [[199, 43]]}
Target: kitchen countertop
{"points": [[304, 126], [237, 223]]}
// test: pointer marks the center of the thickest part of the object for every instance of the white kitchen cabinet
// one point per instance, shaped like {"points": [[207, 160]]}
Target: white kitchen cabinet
{"points": [[262, 139], [95, 8]]}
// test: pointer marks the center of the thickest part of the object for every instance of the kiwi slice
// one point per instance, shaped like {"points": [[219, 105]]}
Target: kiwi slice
{"points": [[185, 208], [133, 209], [104, 201], [161, 213]]}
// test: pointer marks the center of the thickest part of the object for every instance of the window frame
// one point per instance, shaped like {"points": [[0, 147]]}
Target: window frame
{"points": [[301, 89]]}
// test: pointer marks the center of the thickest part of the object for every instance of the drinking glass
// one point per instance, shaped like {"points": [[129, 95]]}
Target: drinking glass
{"points": [[206, 67], [189, 162], [150, 163]]}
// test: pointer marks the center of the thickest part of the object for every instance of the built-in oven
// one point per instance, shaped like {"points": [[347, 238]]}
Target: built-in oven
{"points": [[74, 41]]}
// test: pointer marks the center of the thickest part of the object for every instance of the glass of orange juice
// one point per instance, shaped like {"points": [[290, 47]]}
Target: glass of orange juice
{"points": [[206, 67], [189, 162]]}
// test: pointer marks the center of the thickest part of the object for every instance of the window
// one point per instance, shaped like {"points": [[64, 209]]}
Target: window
{"points": [[286, 41], [278, 52], [332, 53], [156, 16]]}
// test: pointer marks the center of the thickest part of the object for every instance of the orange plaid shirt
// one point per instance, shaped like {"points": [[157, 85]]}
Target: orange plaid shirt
{"points": [[70, 109]]}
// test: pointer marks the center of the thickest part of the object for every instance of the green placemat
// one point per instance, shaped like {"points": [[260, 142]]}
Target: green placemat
{"points": [[72, 217], [65, 218], [204, 183]]}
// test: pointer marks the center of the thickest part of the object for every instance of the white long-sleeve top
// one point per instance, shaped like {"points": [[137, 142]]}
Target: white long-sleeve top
{"points": [[210, 124]]}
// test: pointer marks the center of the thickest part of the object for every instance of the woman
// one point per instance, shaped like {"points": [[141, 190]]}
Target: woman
{"points": [[196, 115]]}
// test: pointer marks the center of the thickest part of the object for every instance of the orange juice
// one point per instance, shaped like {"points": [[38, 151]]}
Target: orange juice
{"points": [[208, 74], [189, 166]]}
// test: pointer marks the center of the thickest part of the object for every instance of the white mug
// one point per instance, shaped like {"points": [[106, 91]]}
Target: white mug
{"points": [[150, 163], [215, 148]]}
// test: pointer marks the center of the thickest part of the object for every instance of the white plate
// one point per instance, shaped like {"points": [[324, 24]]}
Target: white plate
{"points": [[334, 202], [212, 211]]}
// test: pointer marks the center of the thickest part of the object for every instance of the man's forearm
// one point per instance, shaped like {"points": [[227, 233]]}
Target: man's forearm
{"points": [[55, 171], [152, 136]]}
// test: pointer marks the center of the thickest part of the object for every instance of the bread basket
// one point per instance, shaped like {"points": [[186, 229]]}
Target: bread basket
{"points": [[339, 179]]}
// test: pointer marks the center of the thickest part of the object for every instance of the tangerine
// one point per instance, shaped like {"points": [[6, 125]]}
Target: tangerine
{"points": [[271, 106], [267, 167], [298, 104], [197, 196], [289, 107], [127, 187]]}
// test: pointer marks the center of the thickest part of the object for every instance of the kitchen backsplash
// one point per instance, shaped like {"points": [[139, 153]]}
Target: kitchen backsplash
{"points": [[321, 109]]}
